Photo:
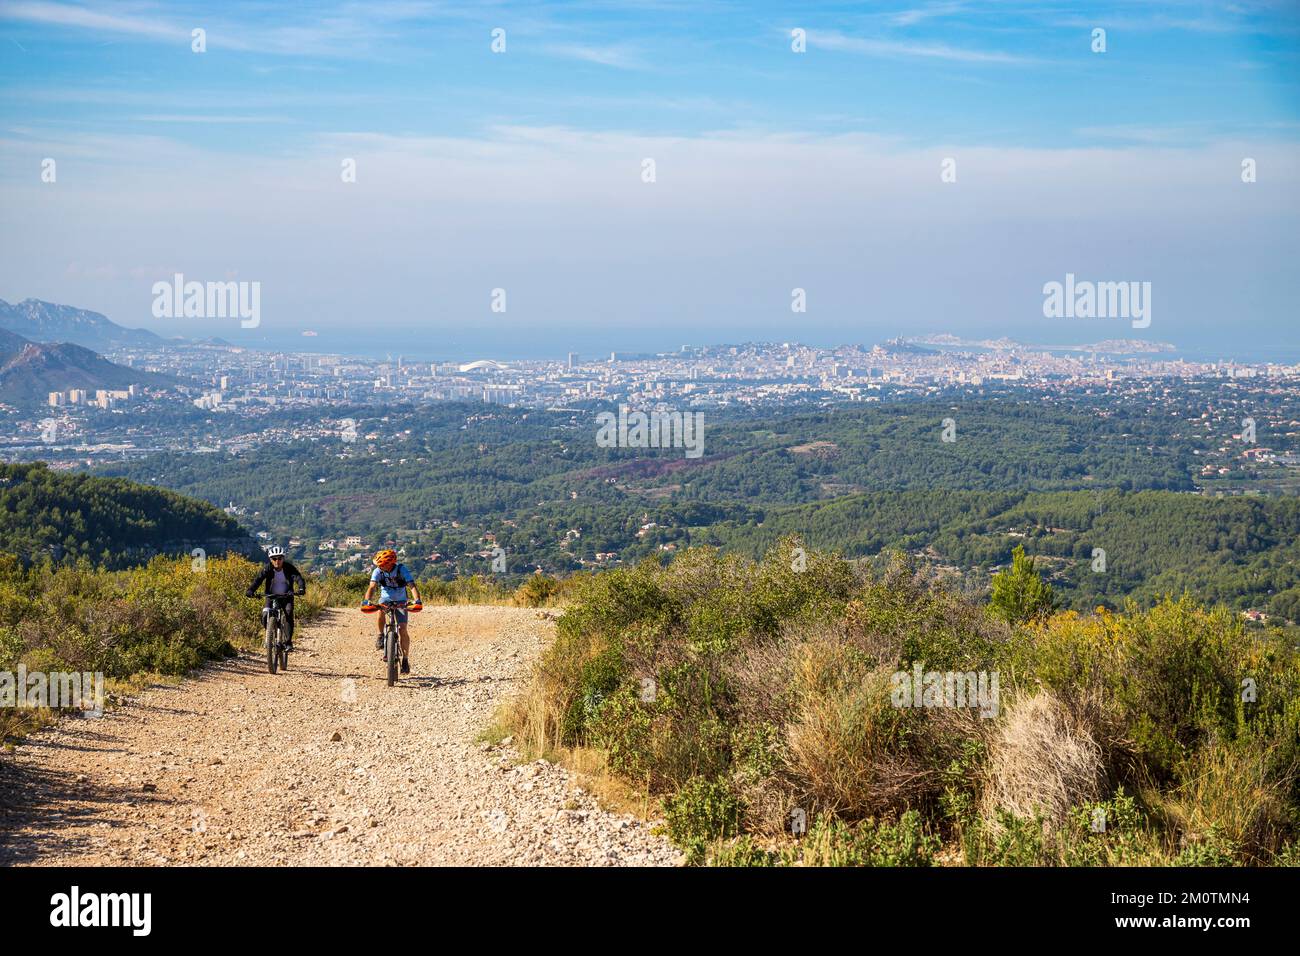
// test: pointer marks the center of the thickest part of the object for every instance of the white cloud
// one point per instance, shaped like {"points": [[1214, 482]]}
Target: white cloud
{"points": [[208, 118], [562, 219], [834, 40], [68, 15], [617, 56], [907, 18], [344, 30]]}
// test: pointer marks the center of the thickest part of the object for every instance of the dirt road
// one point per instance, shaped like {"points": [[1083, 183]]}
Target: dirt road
{"points": [[323, 764]]}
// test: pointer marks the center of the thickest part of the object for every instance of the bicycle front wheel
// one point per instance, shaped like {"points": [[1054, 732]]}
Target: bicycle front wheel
{"points": [[272, 643]]}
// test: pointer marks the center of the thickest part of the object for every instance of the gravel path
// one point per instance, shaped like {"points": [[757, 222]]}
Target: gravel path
{"points": [[323, 764]]}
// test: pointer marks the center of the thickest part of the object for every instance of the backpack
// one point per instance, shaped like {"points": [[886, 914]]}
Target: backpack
{"points": [[395, 579]]}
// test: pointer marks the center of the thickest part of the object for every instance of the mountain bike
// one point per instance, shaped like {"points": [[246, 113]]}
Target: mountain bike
{"points": [[392, 639], [277, 634]]}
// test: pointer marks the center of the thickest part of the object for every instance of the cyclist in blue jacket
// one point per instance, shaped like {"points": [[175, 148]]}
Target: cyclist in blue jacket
{"points": [[392, 579]]}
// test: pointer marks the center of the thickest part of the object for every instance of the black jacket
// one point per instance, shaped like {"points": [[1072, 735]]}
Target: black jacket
{"points": [[267, 575]]}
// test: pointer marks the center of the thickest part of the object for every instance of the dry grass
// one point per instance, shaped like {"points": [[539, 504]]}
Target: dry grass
{"points": [[1236, 791], [761, 674], [1043, 760], [16, 723], [845, 740], [614, 794], [530, 723], [533, 719]]}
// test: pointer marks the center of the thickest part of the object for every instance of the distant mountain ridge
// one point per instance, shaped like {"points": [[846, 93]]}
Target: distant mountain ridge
{"points": [[41, 321], [1108, 346], [29, 371], [31, 374], [11, 342]]}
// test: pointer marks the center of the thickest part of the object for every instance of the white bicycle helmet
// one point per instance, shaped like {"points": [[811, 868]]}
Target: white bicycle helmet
{"points": [[275, 551]]}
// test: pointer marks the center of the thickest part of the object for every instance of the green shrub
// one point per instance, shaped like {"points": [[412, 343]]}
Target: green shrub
{"points": [[1289, 855], [832, 842], [1210, 849], [773, 688], [757, 750], [598, 678], [702, 811], [623, 727], [166, 617], [1169, 681], [1015, 841], [470, 589], [742, 851], [960, 783], [339, 590], [1111, 832], [1019, 594], [538, 590]]}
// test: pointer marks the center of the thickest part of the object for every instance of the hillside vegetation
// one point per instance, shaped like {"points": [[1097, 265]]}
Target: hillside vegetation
{"points": [[1242, 552], [530, 476], [110, 521], [166, 617], [757, 701], [450, 482]]}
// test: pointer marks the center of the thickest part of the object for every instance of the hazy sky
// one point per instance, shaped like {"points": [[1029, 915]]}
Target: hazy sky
{"points": [[523, 170]]}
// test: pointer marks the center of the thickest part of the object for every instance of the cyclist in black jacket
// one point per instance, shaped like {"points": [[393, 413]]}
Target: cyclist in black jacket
{"points": [[280, 578]]}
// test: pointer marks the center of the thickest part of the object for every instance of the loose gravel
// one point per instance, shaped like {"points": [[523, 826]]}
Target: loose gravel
{"points": [[320, 765]]}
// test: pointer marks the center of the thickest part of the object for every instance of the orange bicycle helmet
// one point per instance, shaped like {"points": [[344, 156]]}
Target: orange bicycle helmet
{"points": [[385, 559]]}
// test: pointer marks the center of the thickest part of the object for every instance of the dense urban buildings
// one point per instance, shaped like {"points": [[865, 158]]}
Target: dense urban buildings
{"points": [[83, 426]]}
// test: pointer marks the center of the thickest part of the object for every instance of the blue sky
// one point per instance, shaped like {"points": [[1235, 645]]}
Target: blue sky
{"points": [[521, 170]]}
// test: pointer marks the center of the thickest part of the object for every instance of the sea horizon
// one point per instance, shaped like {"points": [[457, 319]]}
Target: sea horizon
{"points": [[514, 347]]}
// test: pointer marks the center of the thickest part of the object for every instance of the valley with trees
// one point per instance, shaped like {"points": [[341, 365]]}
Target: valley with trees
{"points": [[1110, 502]]}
